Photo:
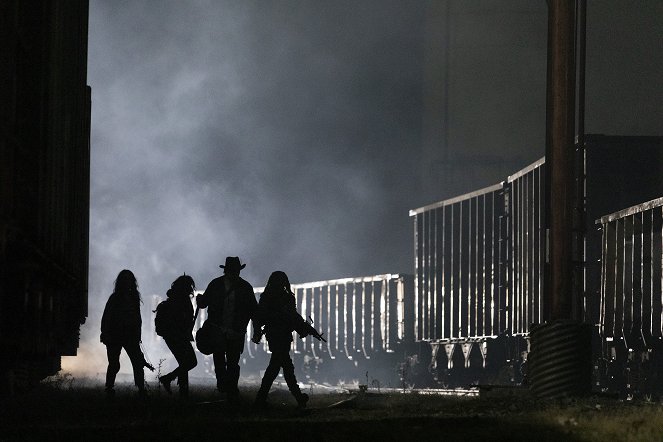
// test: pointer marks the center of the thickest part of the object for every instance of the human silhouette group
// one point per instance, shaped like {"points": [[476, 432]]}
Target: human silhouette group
{"points": [[231, 303]]}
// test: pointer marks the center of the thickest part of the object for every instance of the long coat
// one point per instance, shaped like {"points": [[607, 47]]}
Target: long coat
{"points": [[277, 311], [121, 323], [245, 302], [181, 319]]}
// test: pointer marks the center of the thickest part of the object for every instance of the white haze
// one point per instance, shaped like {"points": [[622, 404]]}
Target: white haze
{"points": [[288, 133]]}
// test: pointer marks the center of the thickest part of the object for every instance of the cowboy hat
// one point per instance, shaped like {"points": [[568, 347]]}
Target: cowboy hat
{"points": [[232, 262]]}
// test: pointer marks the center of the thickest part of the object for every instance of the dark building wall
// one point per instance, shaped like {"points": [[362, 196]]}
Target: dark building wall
{"points": [[44, 193], [484, 93], [485, 81], [624, 67]]}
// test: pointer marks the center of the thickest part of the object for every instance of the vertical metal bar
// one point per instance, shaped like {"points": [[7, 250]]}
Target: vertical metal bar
{"points": [[346, 314], [439, 271], [639, 251], [452, 292], [321, 305], [646, 271], [469, 296], [602, 298], [515, 258], [481, 327], [486, 297], [657, 265], [523, 250], [519, 254], [336, 317], [612, 263], [494, 316], [434, 333], [373, 326], [619, 279], [459, 325], [429, 266], [426, 274], [445, 281], [417, 271], [385, 315], [475, 323], [531, 266], [542, 241], [627, 281], [443, 289]]}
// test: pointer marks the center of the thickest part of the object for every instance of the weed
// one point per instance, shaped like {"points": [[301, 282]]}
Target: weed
{"points": [[158, 373]]}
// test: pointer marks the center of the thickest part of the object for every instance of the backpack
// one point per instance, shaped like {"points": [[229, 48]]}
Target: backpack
{"points": [[165, 319]]}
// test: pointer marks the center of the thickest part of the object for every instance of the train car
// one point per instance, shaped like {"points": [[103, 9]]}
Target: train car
{"points": [[480, 257], [364, 320], [479, 279], [465, 316], [44, 188], [631, 303]]}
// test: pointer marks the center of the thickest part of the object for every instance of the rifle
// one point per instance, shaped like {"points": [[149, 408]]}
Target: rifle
{"points": [[313, 332]]}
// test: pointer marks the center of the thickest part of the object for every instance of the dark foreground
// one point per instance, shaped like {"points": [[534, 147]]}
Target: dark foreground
{"points": [[67, 411]]}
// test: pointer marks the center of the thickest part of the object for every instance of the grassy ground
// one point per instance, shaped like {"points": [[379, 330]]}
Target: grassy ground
{"points": [[70, 409]]}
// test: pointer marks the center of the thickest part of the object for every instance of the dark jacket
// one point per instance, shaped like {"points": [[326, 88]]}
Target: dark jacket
{"points": [[277, 311], [245, 302], [121, 323], [181, 319]]}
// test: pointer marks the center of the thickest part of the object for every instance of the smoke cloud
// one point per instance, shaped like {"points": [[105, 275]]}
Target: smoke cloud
{"points": [[278, 132], [287, 133]]}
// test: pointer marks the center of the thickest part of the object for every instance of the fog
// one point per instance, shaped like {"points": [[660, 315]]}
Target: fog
{"points": [[287, 133]]}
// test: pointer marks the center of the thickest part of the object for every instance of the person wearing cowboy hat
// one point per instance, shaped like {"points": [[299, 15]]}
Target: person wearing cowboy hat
{"points": [[230, 303]]}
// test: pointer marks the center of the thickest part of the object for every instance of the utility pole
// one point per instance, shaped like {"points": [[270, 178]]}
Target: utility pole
{"points": [[560, 137], [559, 362]]}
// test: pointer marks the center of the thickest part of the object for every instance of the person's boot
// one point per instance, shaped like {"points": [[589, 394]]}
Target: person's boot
{"points": [[165, 381], [233, 402], [261, 400], [184, 390], [142, 393], [302, 399], [110, 393], [220, 387]]}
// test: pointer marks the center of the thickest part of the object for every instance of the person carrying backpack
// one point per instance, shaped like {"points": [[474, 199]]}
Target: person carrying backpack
{"points": [[174, 321]]}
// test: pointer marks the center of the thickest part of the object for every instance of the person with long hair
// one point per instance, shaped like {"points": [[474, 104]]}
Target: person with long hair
{"points": [[121, 328], [277, 313], [178, 316]]}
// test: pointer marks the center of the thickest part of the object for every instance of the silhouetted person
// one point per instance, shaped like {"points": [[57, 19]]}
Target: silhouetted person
{"points": [[120, 328], [231, 304], [176, 318], [277, 312]]}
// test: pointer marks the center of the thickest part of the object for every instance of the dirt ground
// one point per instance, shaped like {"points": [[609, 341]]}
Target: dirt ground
{"points": [[70, 409]]}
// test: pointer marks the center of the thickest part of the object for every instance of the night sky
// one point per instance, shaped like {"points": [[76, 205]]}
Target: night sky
{"points": [[289, 133]]}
